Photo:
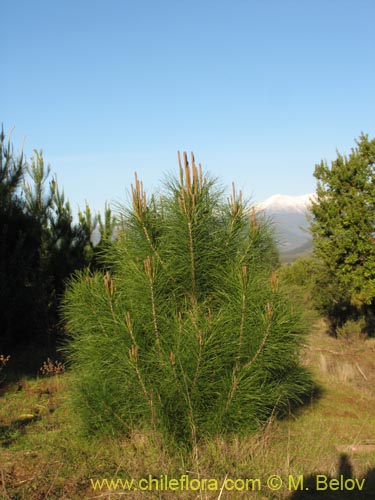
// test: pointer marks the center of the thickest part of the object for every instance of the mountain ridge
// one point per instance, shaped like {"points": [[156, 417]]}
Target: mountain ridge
{"points": [[287, 202], [288, 215]]}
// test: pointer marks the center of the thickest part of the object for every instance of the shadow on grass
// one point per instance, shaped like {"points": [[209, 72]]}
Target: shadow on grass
{"points": [[345, 486], [306, 401], [10, 432]]}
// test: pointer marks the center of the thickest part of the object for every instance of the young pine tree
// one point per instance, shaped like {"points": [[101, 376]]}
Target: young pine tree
{"points": [[187, 332]]}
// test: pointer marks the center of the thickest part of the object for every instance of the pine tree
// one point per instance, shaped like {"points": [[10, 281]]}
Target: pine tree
{"points": [[62, 242], [40, 246], [99, 233], [19, 256], [343, 225], [187, 330], [11, 174]]}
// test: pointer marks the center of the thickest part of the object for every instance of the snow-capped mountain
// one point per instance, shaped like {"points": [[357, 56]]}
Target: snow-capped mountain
{"points": [[288, 215], [283, 202]]}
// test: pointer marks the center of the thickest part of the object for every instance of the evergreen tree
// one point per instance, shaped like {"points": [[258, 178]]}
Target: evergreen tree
{"points": [[11, 174], [19, 257], [88, 223], [343, 225], [40, 246], [98, 234], [187, 331], [62, 243]]}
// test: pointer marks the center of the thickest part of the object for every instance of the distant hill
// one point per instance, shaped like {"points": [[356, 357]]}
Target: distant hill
{"points": [[289, 217], [291, 255]]}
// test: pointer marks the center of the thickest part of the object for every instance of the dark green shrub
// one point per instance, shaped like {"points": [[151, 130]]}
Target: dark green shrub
{"points": [[299, 280], [187, 332]]}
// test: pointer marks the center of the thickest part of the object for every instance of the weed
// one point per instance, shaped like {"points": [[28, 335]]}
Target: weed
{"points": [[3, 362], [51, 368]]}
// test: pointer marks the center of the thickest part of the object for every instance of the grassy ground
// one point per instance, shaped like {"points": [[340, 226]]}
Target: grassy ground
{"points": [[43, 455]]}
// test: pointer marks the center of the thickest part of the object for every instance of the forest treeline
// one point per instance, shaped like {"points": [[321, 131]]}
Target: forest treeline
{"points": [[41, 245]]}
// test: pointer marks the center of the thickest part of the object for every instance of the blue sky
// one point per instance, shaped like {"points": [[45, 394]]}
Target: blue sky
{"points": [[259, 90]]}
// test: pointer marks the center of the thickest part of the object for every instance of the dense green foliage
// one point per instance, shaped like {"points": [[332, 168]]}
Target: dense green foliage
{"points": [[187, 332], [300, 278], [40, 246], [342, 225], [19, 256]]}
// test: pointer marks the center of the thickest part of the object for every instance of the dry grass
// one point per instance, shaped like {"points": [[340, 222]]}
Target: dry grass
{"points": [[42, 455]]}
